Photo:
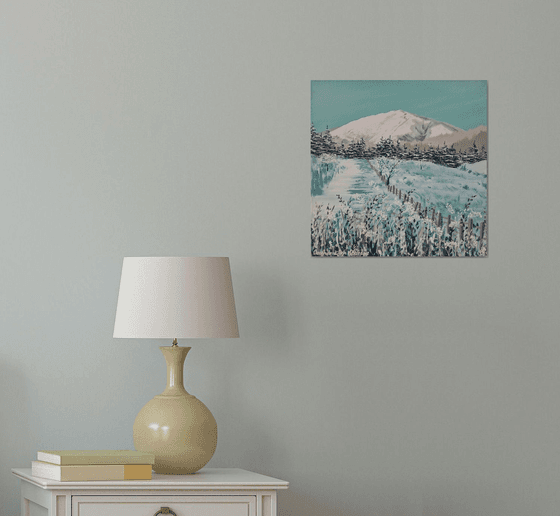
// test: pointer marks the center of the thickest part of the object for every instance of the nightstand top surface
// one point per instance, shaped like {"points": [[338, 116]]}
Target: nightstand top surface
{"points": [[206, 478]]}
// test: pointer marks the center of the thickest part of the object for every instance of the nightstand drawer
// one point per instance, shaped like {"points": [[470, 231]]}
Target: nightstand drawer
{"points": [[191, 505]]}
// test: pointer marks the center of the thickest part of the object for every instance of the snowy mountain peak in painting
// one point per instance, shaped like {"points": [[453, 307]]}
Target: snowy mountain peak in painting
{"points": [[399, 125]]}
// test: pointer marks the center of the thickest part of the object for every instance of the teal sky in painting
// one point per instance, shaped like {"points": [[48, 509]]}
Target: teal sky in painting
{"points": [[459, 103]]}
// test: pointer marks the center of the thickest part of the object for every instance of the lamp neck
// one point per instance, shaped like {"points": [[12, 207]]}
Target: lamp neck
{"points": [[175, 357]]}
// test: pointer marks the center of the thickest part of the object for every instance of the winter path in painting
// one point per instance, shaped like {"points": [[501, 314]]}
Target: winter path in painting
{"points": [[397, 183]]}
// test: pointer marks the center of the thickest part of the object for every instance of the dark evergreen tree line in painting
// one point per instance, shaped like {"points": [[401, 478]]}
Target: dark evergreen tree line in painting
{"points": [[323, 143]]}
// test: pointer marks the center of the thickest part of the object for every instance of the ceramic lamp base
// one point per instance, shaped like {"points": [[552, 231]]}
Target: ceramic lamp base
{"points": [[175, 426]]}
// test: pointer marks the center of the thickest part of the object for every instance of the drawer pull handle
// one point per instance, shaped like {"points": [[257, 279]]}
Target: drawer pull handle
{"points": [[165, 510]]}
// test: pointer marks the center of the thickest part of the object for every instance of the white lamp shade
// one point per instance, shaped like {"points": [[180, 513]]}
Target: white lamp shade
{"points": [[176, 297]]}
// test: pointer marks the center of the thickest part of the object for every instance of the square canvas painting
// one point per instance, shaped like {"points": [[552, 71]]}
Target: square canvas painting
{"points": [[399, 168]]}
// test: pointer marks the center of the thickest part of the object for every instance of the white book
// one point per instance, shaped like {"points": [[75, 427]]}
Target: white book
{"points": [[72, 457]]}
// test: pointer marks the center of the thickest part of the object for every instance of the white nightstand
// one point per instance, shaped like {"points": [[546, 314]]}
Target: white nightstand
{"points": [[209, 492]]}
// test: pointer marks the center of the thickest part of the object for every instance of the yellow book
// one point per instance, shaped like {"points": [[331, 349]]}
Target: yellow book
{"points": [[91, 471], [75, 457]]}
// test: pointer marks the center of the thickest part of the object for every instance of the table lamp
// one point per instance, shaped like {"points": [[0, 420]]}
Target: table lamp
{"points": [[176, 298]]}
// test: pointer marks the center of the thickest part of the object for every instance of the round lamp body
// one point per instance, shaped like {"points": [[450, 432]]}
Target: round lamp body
{"points": [[175, 426]]}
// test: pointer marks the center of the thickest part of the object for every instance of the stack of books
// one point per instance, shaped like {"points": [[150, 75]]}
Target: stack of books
{"points": [[83, 465]]}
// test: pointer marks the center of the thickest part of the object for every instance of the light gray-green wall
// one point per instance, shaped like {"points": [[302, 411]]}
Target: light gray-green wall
{"points": [[390, 387]]}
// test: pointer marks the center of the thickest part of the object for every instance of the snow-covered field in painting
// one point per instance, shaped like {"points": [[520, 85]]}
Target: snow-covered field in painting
{"points": [[354, 213], [448, 190], [481, 167]]}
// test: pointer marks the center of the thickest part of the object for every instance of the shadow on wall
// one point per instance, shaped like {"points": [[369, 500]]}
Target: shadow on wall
{"points": [[245, 367], [17, 445], [268, 311]]}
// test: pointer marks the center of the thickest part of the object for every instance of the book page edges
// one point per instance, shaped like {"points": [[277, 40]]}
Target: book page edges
{"points": [[137, 471]]}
